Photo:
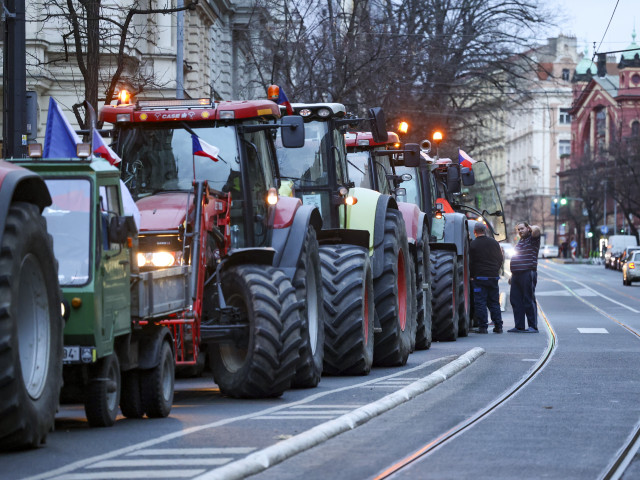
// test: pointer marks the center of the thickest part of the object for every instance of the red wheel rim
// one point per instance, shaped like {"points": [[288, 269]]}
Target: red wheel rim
{"points": [[402, 292]]}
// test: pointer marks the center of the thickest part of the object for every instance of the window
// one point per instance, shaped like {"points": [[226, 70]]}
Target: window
{"points": [[565, 74], [635, 128], [601, 123], [564, 147], [564, 117]]}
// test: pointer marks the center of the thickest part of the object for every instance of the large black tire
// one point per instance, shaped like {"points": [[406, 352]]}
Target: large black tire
{"points": [[349, 309], [394, 304], [307, 281], [445, 313], [262, 365], [130, 395], [423, 284], [463, 280], [157, 385], [31, 349], [103, 392]]}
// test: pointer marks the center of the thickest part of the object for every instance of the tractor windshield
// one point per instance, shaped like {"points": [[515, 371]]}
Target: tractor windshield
{"points": [[69, 223], [483, 196], [307, 166], [359, 171], [161, 158]]}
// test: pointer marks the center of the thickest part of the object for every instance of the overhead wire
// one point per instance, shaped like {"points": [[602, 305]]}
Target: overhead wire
{"points": [[605, 31]]}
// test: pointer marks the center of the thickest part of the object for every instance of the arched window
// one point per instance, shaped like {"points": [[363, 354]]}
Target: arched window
{"points": [[635, 128], [601, 129]]}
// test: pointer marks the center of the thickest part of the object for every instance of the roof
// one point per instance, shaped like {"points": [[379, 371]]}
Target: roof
{"points": [[586, 64], [360, 139], [609, 84], [633, 46]]}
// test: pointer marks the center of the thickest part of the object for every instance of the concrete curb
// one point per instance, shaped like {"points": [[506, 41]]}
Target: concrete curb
{"points": [[270, 456]]}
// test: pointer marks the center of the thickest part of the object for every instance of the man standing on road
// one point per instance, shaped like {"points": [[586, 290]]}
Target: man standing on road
{"points": [[524, 277], [485, 261]]}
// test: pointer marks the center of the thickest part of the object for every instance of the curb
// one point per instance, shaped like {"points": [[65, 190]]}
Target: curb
{"points": [[270, 456]]}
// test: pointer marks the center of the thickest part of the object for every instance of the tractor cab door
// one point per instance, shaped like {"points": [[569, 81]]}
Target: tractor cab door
{"points": [[113, 271]]}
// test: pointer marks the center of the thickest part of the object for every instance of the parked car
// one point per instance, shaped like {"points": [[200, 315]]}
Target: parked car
{"points": [[548, 251], [631, 269], [624, 256], [507, 250]]}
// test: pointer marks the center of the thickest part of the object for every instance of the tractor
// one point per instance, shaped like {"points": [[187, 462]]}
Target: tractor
{"points": [[367, 268]]}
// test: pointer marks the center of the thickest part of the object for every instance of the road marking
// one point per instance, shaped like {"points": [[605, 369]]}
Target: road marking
{"points": [[161, 462], [191, 430], [529, 359], [131, 474], [193, 451], [298, 417], [337, 405], [593, 330], [553, 293]]}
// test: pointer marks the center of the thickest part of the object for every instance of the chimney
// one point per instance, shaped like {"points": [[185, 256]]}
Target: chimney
{"points": [[602, 64]]}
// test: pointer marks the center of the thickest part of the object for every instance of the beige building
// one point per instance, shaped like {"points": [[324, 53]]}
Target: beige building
{"points": [[531, 135], [216, 54]]}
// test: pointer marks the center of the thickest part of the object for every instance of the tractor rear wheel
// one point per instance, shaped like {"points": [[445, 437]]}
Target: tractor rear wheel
{"points": [[445, 311], [307, 281], [349, 310], [31, 326], [157, 385], [264, 362], [423, 287], [103, 392], [394, 304], [463, 281]]}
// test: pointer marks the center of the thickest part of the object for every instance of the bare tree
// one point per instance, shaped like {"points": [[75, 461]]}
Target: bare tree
{"points": [[93, 30]]}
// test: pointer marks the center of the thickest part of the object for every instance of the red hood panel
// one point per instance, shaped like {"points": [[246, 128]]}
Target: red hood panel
{"points": [[164, 211]]}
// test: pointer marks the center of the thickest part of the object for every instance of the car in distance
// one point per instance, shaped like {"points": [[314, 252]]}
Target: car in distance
{"points": [[624, 256], [548, 251], [631, 269]]}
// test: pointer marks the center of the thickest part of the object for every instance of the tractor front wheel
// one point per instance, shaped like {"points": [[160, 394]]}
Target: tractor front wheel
{"points": [[445, 305], [263, 363]]}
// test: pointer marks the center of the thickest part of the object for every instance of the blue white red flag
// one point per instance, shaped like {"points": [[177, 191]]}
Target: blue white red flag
{"points": [[60, 139], [464, 159], [283, 100], [203, 149], [103, 150]]}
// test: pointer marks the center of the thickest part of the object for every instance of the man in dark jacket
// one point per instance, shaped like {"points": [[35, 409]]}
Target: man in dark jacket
{"points": [[486, 259]]}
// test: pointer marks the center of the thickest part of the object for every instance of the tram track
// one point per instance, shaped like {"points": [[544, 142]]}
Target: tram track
{"points": [[466, 424], [624, 455]]}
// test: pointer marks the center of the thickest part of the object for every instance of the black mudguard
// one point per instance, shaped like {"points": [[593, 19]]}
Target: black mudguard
{"points": [[455, 231], [21, 185], [288, 241], [149, 343]]}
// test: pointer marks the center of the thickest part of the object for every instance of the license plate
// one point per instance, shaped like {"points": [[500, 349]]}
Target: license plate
{"points": [[71, 355]]}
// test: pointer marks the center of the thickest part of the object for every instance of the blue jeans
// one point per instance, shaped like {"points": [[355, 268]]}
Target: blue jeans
{"points": [[486, 294], [523, 298]]}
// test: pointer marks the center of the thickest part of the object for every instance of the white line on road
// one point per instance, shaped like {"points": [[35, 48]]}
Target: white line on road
{"points": [[592, 330], [188, 431], [193, 451], [293, 417], [130, 474], [337, 405], [162, 462]]}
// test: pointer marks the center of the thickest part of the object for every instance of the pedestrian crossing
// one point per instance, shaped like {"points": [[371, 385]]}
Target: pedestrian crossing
{"points": [[310, 412], [158, 463]]}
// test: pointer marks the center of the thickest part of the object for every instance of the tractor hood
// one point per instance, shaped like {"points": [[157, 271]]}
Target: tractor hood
{"points": [[163, 211]]}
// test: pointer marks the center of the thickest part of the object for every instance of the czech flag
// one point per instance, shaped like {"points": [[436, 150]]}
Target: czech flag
{"points": [[60, 139], [283, 100], [103, 150], [465, 160], [203, 149]]}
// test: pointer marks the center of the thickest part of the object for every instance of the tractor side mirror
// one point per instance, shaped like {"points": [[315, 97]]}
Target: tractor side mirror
{"points": [[378, 125], [412, 155], [292, 131], [468, 177], [453, 179], [120, 228]]}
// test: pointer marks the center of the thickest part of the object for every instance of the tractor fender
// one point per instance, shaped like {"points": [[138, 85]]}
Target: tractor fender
{"points": [[253, 255], [456, 231], [18, 184], [385, 202], [288, 240], [286, 209], [149, 343], [423, 224], [363, 215], [412, 217]]}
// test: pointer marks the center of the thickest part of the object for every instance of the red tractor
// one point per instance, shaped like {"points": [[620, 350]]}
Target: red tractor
{"points": [[248, 230], [31, 321]]}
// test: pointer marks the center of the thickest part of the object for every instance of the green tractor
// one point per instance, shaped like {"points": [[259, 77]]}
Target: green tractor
{"points": [[367, 268]]}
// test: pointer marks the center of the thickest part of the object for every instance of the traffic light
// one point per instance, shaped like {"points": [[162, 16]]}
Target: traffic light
{"points": [[563, 201], [554, 206]]}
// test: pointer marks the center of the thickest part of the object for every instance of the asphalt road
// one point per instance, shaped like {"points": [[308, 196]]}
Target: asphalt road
{"points": [[568, 421]]}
